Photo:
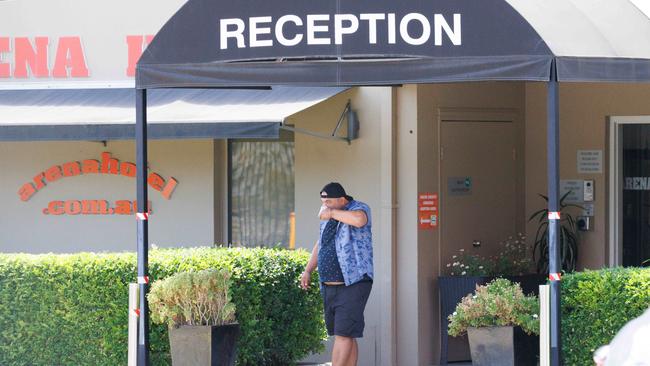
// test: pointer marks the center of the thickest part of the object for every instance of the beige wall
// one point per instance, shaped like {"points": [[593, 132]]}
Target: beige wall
{"points": [[407, 270], [185, 219], [584, 109]]}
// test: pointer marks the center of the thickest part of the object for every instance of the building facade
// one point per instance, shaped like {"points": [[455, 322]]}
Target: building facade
{"points": [[476, 151]]}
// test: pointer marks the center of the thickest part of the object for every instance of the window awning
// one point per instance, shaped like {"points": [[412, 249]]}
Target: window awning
{"points": [[109, 114], [218, 43]]}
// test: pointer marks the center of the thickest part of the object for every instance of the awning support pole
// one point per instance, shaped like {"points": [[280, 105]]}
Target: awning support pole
{"points": [[555, 265], [143, 223]]}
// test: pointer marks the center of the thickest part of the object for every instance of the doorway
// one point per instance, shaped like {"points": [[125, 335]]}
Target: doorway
{"points": [[630, 191], [478, 172], [480, 180]]}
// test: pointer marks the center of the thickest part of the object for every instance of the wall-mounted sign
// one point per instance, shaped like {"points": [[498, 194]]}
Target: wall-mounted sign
{"points": [[590, 161], [575, 187], [324, 29], [428, 213], [42, 58], [74, 43], [106, 166], [92, 207], [459, 186]]}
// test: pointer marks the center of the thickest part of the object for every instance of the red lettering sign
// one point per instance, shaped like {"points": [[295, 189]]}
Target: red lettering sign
{"points": [[90, 166], [156, 182], [4, 66], [26, 191], [428, 211], [135, 47], [169, 188], [26, 55], [31, 58], [71, 169], [128, 169], [92, 207], [108, 165], [53, 174], [70, 55]]}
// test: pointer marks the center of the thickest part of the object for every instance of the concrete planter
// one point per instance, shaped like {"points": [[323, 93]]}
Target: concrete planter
{"points": [[503, 346], [204, 345], [452, 289]]}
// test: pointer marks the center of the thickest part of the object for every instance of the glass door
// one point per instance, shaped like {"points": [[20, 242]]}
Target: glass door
{"points": [[635, 195]]}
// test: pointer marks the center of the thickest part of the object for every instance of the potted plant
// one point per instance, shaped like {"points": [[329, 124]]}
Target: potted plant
{"points": [[465, 271], [201, 317], [502, 324], [568, 238]]}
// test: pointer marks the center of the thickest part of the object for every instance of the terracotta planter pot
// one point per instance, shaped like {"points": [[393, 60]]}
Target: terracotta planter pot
{"points": [[204, 345], [503, 346]]}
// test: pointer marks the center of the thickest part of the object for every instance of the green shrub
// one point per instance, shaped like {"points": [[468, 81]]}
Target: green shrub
{"points": [[595, 305], [72, 309], [497, 304]]}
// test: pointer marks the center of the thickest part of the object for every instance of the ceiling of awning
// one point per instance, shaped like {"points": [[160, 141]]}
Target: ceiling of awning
{"points": [[106, 114], [210, 43]]}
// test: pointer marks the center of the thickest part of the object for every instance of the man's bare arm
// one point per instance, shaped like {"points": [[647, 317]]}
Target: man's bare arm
{"points": [[356, 218], [313, 260], [309, 268]]}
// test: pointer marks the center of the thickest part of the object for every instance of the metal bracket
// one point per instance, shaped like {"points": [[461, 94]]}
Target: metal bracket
{"points": [[353, 127]]}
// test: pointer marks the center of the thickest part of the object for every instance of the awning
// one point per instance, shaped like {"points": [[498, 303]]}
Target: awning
{"points": [[109, 114], [217, 43]]}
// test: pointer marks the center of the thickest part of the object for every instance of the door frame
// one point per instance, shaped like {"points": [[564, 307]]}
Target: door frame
{"points": [[615, 199], [459, 114]]}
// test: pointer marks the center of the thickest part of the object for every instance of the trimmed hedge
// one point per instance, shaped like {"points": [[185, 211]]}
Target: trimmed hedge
{"points": [[72, 309], [595, 305]]}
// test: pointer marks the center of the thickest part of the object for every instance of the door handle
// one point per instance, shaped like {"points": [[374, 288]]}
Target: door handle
{"points": [[476, 243]]}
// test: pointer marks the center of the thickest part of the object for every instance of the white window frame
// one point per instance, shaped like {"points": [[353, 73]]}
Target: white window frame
{"points": [[616, 183]]}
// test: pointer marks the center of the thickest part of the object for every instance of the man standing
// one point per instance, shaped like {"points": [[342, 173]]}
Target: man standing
{"points": [[343, 256]]}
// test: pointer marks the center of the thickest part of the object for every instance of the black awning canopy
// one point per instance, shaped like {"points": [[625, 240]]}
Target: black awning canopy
{"points": [[220, 43]]}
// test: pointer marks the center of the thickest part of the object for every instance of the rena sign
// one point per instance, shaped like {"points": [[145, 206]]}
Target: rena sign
{"points": [[76, 43], [324, 29], [106, 166], [62, 58]]}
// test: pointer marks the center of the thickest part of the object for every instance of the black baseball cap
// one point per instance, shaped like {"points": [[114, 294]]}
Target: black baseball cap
{"points": [[334, 190]]}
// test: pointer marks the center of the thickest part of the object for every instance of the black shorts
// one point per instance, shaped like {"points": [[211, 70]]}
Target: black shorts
{"points": [[343, 307]]}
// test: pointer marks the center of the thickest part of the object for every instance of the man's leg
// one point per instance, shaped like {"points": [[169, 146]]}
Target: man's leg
{"points": [[349, 323], [343, 351], [355, 353]]}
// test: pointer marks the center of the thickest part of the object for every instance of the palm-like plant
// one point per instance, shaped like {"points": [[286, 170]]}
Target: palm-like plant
{"points": [[568, 239]]}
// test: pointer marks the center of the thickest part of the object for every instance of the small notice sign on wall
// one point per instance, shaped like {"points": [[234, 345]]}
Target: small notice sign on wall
{"points": [[459, 186], [428, 211], [576, 189], [590, 161]]}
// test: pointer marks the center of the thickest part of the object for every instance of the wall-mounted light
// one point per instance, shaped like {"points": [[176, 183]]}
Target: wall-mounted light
{"points": [[348, 114]]}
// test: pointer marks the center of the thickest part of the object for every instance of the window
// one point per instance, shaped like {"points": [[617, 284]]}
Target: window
{"points": [[261, 193]]}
